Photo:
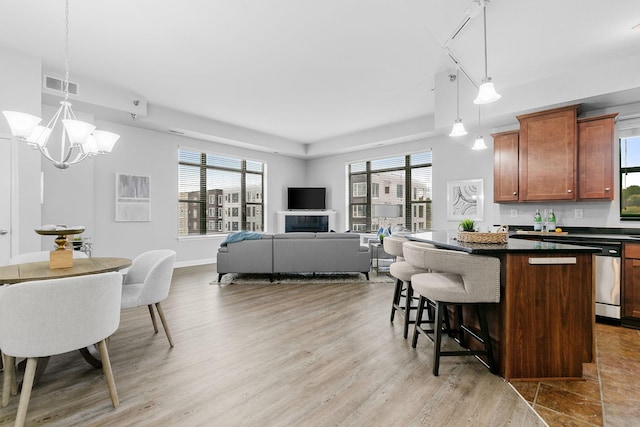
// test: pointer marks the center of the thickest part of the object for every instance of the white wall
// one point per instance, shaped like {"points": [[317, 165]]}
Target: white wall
{"points": [[20, 78]]}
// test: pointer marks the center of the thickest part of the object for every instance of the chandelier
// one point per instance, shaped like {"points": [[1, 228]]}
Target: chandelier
{"points": [[79, 140]]}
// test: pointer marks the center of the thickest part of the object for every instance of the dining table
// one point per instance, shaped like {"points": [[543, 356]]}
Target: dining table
{"points": [[41, 270], [32, 271]]}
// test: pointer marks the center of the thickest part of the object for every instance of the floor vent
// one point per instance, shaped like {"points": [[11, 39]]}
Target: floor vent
{"points": [[57, 84]]}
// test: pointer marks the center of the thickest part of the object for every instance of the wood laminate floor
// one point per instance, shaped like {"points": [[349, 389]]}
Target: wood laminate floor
{"points": [[271, 355]]}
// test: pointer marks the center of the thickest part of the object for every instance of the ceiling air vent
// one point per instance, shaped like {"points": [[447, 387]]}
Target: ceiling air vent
{"points": [[57, 84]]}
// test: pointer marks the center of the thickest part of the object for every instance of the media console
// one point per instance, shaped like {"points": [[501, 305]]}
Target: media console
{"points": [[306, 220]]}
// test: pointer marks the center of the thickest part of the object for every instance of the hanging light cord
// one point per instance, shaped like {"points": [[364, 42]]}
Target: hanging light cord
{"points": [[484, 15], [457, 95], [66, 50]]}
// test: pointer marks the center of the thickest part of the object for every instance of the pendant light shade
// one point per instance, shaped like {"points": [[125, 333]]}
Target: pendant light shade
{"points": [[458, 129], [479, 144], [487, 92]]}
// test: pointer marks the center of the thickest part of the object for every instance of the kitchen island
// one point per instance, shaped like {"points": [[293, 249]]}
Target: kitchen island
{"points": [[543, 327]]}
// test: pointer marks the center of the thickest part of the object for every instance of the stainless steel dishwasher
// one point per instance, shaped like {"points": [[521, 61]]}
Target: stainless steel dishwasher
{"points": [[607, 275]]}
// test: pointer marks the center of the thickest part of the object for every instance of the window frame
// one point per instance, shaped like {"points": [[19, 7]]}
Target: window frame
{"points": [[355, 169], [200, 211]]}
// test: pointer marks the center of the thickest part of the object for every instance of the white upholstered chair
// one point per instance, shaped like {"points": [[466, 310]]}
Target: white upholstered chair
{"points": [[48, 317], [457, 278], [147, 283], [38, 256], [402, 271]]}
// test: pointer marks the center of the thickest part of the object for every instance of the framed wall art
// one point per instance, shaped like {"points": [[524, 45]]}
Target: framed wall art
{"points": [[465, 199], [132, 198]]}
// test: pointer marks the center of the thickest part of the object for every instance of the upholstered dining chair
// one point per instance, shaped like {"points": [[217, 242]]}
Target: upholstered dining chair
{"points": [[38, 256], [147, 283], [48, 317]]}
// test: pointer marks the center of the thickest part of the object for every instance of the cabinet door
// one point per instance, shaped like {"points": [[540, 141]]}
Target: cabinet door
{"points": [[631, 282], [548, 155], [595, 157], [505, 166]]}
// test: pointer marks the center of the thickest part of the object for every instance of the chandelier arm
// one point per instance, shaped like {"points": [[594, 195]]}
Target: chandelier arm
{"points": [[45, 152]]}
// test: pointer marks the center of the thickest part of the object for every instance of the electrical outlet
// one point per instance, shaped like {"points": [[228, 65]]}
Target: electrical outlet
{"points": [[514, 213], [578, 213]]}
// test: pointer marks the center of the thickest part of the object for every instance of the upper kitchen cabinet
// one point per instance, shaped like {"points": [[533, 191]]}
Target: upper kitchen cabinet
{"points": [[555, 156], [505, 166], [548, 154], [595, 157]]}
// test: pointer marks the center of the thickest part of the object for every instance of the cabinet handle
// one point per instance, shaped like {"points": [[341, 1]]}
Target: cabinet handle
{"points": [[515, 193], [607, 189], [569, 191]]}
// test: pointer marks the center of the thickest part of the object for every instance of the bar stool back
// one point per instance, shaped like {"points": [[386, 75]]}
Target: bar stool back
{"points": [[458, 278], [402, 271]]}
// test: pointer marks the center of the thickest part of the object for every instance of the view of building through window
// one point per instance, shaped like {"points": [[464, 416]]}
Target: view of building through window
{"points": [[400, 193], [630, 177], [219, 194]]}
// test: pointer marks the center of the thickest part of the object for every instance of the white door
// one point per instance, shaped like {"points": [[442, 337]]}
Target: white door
{"points": [[5, 200]]}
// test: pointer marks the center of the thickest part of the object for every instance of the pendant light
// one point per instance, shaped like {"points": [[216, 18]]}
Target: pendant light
{"points": [[79, 140], [458, 127], [479, 144], [487, 92]]}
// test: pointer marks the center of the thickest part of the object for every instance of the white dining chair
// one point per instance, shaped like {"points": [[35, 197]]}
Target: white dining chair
{"points": [[48, 317], [38, 256], [147, 283]]}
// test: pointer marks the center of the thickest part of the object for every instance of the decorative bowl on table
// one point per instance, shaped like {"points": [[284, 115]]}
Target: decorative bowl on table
{"points": [[62, 231]]}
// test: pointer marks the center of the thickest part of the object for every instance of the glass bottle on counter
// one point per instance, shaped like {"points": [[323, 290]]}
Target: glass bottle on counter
{"points": [[537, 221], [551, 222]]}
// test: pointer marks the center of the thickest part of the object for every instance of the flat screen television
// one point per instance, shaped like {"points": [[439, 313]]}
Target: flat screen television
{"points": [[310, 198]]}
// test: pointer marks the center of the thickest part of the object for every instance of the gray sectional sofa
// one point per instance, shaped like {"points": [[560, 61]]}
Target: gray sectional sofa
{"points": [[295, 253]]}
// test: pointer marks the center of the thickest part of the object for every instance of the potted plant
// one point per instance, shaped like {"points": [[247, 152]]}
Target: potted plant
{"points": [[467, 225]]}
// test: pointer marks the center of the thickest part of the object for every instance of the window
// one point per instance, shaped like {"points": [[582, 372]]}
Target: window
{"points": [[375, 189], [630, 178], [359, 189], [204, 178], [409, 176]]}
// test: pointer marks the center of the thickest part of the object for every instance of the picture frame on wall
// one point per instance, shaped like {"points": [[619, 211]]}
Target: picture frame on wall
{"points": [[465, 199], [133, 201]]}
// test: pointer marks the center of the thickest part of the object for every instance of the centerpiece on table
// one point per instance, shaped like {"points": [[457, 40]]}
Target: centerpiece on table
{"points": [[60, 257], [468, 234]]}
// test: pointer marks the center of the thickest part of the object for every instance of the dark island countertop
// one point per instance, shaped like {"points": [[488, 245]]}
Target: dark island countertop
{"points": [[447, 240]]}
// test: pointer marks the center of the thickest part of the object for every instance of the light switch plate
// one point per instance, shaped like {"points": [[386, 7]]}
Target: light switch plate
{"points": [[514, 213], [579, 214]]}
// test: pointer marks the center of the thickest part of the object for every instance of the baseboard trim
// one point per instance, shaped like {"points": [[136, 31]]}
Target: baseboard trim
{"points": [[195, 262]]}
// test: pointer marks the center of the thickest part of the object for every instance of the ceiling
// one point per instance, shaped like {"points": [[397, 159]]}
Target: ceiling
{"points": [[309, 70]]}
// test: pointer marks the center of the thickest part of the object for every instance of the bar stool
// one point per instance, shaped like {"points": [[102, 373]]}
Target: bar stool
{"points": [[402, 271], [457, 279]]}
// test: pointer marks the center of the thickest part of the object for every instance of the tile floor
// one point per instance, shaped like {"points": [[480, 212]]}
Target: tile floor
{"points": [[609, 394]]}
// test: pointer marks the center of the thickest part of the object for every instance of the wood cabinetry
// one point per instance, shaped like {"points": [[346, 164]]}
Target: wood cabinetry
{"points": [[595, 157], [548, 154], [555, 156], [505, 166], [631, 284]]}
